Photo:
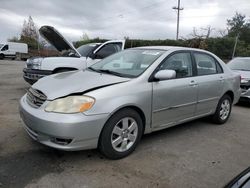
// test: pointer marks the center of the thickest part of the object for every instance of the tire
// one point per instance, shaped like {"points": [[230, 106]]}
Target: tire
{"points": [[1, 56], [223, 110], [119, 129]]}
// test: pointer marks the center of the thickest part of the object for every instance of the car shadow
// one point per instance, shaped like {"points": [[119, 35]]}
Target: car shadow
{"points": [[245, 104]]}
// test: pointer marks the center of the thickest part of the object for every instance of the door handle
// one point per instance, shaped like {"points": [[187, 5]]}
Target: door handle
{"points": [[193, 83], [222, 79]]}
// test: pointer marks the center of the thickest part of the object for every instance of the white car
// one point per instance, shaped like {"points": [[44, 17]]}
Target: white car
{"points": [[72, 58]]}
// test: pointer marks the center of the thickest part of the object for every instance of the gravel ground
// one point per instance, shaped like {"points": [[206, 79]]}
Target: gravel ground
{"points": [[196, 154]]}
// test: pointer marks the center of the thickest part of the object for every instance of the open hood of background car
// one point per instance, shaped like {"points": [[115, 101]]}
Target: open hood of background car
{"points": [[57, 40]]}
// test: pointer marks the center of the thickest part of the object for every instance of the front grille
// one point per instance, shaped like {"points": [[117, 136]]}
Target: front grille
{"points": [[35, 97], [245, 86]]}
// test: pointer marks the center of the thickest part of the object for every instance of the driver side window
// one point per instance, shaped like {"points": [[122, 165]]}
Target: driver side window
{"points": [[181, 63], [6, 47], [108, 50]]}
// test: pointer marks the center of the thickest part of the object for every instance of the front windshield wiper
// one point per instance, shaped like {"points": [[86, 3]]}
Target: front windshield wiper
{"points": [[91, 68], [110, 72]]}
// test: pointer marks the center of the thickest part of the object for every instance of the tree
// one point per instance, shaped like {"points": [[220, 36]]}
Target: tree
{"points": [[84, 37], [235, 24], [199, 38], [239, 25], [13, 39], [29, 34], [29, 29]]}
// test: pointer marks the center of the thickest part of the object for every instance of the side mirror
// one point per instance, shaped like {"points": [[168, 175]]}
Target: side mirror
{"points": [[165, 74]]}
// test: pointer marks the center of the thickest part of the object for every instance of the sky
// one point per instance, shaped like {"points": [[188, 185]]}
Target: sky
{"points": [[115, 19]]}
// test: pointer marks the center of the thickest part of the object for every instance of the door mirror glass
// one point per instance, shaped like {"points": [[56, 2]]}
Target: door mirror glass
{"points": [[165, 75]]}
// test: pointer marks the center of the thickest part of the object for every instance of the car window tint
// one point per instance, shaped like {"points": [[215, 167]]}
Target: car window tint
{"points": [[6, 47], [109, 49], [205, 64], [181, 63]]}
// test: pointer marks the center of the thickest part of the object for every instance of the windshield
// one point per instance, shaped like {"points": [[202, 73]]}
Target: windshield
{"points": [[128, 63], [86, 49], [240, 64]]}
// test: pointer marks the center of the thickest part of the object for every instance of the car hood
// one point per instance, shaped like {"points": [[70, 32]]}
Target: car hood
{"points": [[244, 74], [57, 40], [63, 84]]}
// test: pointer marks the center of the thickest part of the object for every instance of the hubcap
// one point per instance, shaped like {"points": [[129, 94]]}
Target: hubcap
{"points": [[224, 109], [124, 134]]}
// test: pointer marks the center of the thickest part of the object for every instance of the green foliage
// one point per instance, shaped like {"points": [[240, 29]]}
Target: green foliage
{"points": [[82, 42], [31, 42], [239, 25], [236, 24], [13, 39], [137, 42]]}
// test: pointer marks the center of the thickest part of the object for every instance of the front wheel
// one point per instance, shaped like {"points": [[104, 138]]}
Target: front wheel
{"points": [[223, 110], [1, 56], [121, 134]]}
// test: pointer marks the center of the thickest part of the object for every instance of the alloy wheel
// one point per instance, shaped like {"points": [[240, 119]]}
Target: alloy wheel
{"points": [[124, 134], [225, 109]]}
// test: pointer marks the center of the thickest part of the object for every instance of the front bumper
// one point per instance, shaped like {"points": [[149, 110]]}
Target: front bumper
{"points": [[32, 75], [62, 131], [245, 92]]}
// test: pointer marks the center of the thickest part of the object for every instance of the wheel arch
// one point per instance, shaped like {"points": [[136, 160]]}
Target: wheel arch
{"points": [[230, 94], [134, 107]]}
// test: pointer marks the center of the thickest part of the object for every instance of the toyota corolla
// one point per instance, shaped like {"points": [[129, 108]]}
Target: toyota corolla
{"points": [[111, 104]]}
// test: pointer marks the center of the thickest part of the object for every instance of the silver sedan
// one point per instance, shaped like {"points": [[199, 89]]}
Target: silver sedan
{"points": [[241, 65], [114, 102]]}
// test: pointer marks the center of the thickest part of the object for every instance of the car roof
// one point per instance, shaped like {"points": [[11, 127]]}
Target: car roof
{"points": [[169, 48]]}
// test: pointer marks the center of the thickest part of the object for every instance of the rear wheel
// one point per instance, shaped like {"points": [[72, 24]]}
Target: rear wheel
{"points": [[223, 110], [121, 134]]}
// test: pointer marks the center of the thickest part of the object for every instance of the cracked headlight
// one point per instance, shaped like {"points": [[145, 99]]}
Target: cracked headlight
{"points": [[70, 104]]}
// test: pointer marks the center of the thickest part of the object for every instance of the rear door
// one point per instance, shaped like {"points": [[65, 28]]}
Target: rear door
{"points": [[210, 82]]}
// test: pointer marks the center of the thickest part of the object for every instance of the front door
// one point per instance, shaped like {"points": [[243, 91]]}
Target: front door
{"points": [[174, 100]]}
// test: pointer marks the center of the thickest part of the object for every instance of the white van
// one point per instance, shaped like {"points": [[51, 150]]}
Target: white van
{"points": [[10, 49]]}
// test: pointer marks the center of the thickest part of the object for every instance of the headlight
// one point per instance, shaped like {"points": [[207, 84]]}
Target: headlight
{"points": [[71, 104], [35, 63]]}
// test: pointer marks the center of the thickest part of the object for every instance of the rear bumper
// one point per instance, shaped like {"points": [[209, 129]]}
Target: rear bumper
{"points": [[32, 75]]}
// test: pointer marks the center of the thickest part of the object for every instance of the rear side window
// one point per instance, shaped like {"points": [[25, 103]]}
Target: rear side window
{"points": [[206, 64]]}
